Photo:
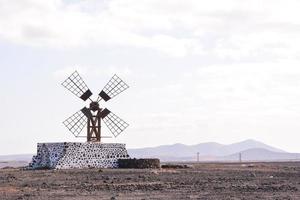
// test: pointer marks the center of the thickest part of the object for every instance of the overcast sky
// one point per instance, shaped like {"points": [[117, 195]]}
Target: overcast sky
{"points": [[198, 71]]}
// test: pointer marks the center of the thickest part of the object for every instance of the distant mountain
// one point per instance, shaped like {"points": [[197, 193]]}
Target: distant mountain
{"points": [[18, 160], [175, 150], [16, 157], [261, 155], [245, 145], [207, 151]]}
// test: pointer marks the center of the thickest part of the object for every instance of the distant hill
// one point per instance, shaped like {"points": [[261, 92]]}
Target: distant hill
{"points": [[18, 160], [212, 152], [261, 155], [16, 157]]}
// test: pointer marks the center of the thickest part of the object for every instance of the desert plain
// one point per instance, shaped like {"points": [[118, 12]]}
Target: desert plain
{"points": [[259, 180]]}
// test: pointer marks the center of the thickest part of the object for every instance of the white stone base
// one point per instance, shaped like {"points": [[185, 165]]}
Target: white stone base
{"points": [[69, 155]]}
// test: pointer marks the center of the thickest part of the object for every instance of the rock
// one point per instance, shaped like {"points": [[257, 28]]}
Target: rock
{"points": [[173, 166], [139, 163]]}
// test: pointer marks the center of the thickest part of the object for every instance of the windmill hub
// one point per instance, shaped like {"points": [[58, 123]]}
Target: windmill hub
{"points": [[94, 106]]}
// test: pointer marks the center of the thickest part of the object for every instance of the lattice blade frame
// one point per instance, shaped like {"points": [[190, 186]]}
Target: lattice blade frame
{"points": [[75, 84], [115, 124], [76, 123], [114, 87]]}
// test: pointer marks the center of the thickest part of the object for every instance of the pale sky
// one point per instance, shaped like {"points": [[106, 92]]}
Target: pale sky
{"points": [[198, 71]]}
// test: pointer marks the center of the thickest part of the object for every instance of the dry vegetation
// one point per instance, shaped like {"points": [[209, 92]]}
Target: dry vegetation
{"points": [[197, 181]]}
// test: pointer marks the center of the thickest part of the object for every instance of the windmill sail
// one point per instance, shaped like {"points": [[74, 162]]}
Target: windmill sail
{"points": [[114, 87], [75, 84], [114, 123], [87, 112], [76, 123]]}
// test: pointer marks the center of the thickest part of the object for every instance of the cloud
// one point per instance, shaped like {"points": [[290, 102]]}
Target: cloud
{"points": [[97, 71], [235, 74], [63, 73], [234, 29]]}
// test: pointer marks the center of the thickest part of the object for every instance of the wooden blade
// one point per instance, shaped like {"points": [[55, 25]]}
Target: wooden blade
{"points": [[75, 84], [114, 87], [87, 112], [76, 123], [114, 123]]}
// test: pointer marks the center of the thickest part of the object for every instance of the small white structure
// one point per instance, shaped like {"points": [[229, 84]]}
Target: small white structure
{"points": [[69, 155]]}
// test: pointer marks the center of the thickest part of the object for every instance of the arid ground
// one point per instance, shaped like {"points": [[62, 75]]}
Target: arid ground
{"points": [[198, 181]]}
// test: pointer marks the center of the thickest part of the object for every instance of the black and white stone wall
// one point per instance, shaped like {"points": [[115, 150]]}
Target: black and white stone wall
{"points": [[70, 155]]}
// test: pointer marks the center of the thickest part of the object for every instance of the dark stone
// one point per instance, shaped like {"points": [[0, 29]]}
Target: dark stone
{"points": [[174, 166], [139, 163]]}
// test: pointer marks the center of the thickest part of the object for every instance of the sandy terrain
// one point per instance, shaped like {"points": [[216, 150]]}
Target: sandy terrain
{"points": [[200, 181]]}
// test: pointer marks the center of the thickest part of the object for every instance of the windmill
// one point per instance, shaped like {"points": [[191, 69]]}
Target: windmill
{"points": [[94, 114]]}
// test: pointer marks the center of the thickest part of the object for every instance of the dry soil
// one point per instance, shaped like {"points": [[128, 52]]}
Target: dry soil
{"points": [[198, 181]]}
